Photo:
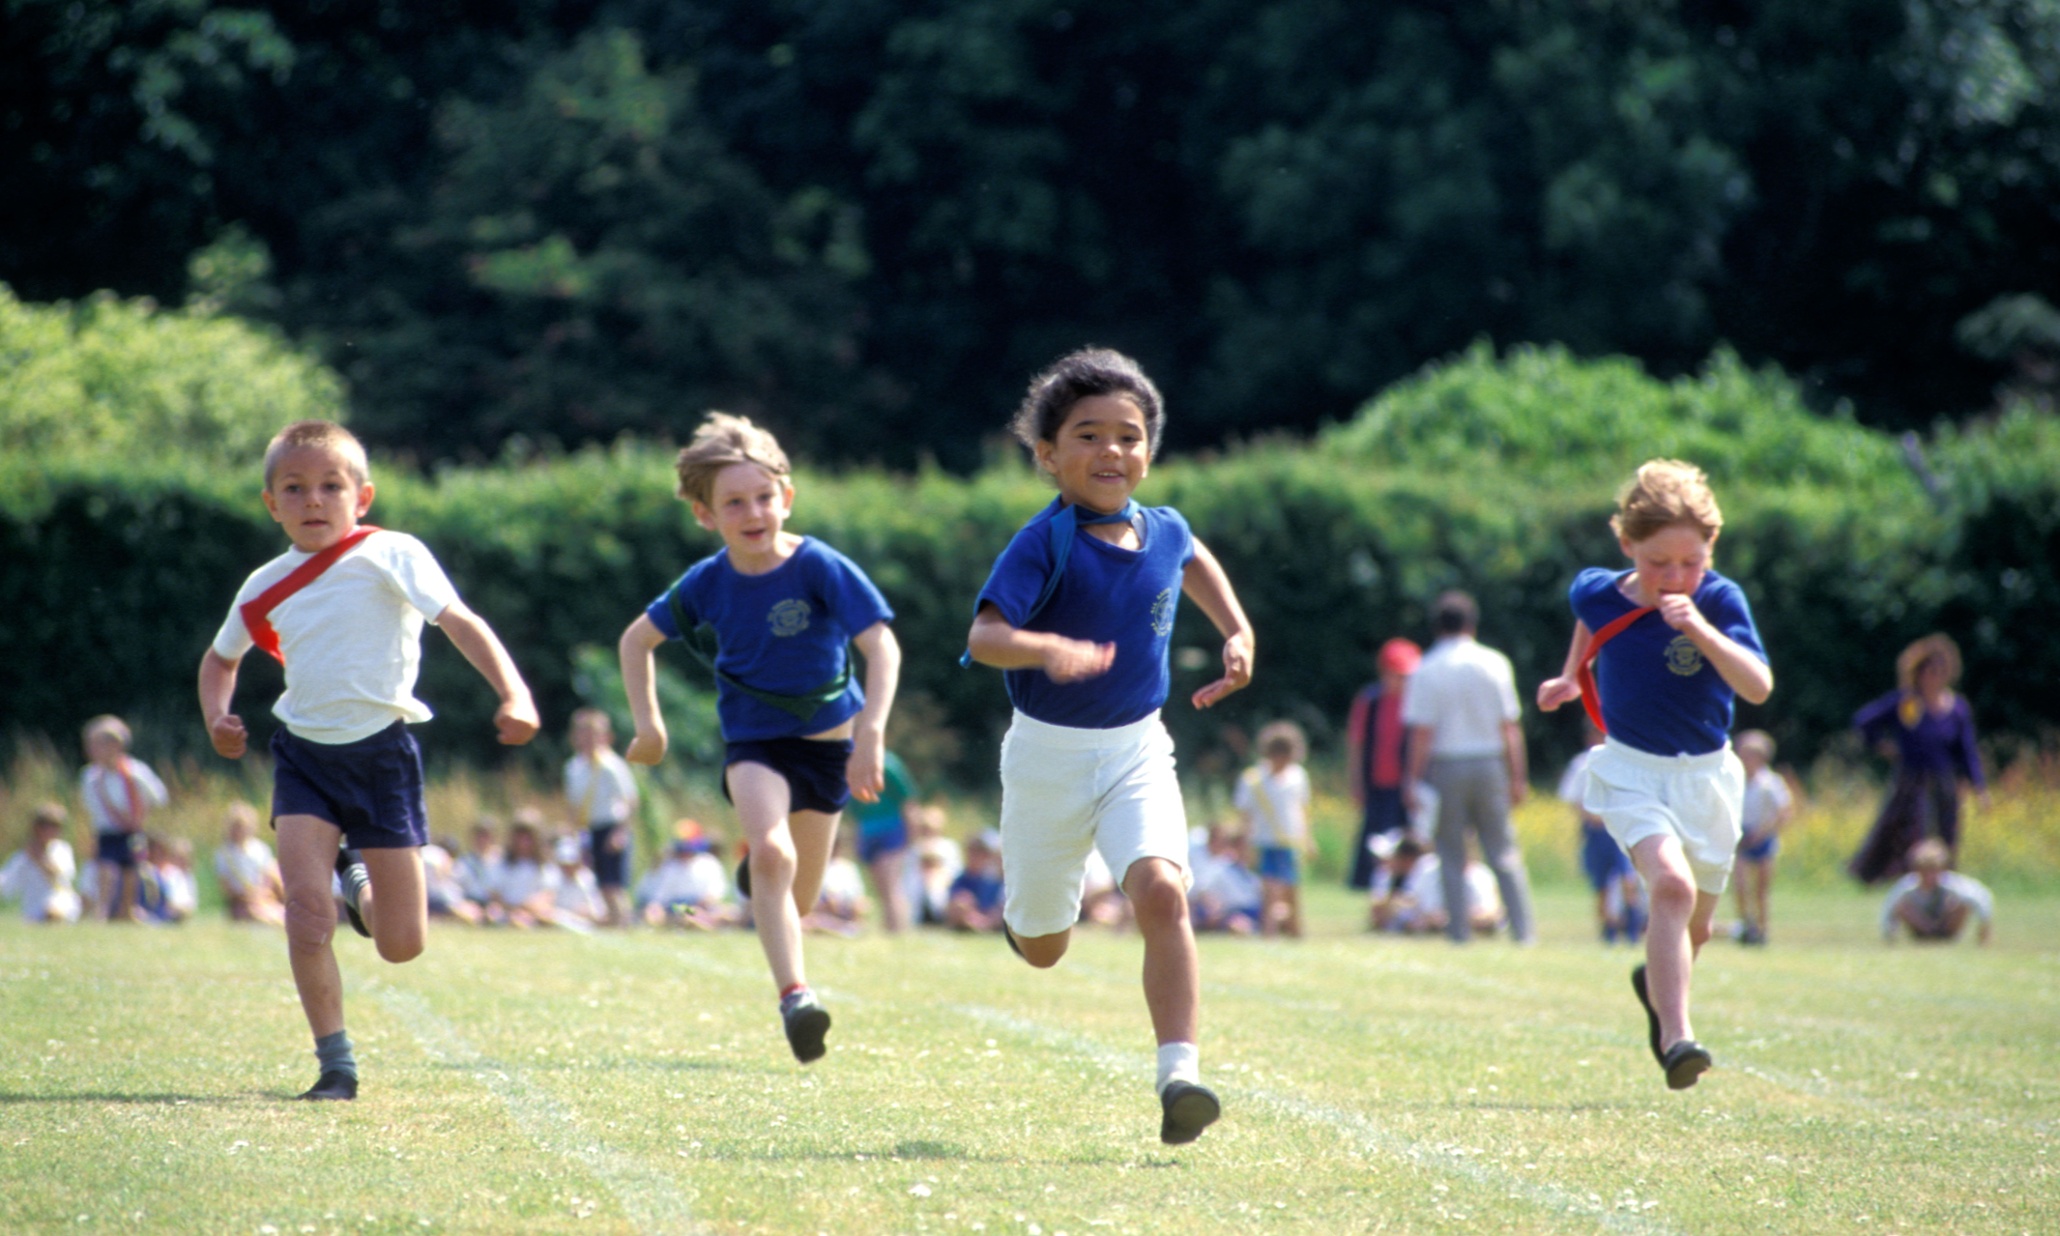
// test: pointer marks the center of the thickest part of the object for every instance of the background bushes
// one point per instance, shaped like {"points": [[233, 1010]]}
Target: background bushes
{"points": [[1492, 474]]}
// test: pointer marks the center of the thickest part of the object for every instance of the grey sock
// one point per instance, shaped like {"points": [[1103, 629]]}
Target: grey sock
{"points": [[333, 1053], [354, 881]]}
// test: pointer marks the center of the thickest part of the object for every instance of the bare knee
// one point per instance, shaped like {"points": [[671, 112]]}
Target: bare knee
{"points": [[400, 950], [310, 921], [1043, 952], [1671, 892], [1159, 902]]}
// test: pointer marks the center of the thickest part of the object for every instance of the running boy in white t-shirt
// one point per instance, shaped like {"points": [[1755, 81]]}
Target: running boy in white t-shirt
{"points": [[1079, 611], [343, 610]]}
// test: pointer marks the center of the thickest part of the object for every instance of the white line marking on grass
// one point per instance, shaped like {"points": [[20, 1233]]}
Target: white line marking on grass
{"points": [[649, 1198], [1452, 1161]]}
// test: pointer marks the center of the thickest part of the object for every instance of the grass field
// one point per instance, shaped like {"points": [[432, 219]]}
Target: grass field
{"points": [[638, 1083]]}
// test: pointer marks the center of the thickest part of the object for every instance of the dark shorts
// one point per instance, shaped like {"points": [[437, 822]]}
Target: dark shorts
{"points": [[1602, 858], [1279, 862], [371, 789], [120, 848], [814, 769], [611, 866], [1762, 850], [890, 839]]}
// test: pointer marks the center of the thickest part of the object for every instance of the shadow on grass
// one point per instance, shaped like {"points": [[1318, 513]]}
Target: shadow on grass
{"points": [[163, 1100]]}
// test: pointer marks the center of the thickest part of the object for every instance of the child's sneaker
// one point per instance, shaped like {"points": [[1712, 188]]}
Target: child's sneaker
{"points": [[335, 1084], [350, 868], [1684, 1062], [1188, 1107], [806, 1021], [1651, 1018]]}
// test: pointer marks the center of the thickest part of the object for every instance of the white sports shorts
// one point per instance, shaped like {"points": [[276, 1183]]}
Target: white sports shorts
{"points": [[1699, 799], [1066, 791]]}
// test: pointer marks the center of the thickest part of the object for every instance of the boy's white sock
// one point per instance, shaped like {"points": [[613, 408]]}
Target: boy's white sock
{"points": [[1179, 1062]]}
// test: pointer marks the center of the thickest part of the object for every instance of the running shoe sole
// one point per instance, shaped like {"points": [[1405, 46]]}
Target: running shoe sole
{"points": [[1187, 1109]]}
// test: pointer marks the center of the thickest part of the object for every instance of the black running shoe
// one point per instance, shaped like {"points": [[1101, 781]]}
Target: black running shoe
{"points": [[744, 877], [1651, 1018], [1189, 1108], [346, 859], [806, 1022], [1010, 936], [335, 1084], [1684, 1062]]}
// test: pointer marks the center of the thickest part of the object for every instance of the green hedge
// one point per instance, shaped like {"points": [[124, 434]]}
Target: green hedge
{"points": [[116, 571]]}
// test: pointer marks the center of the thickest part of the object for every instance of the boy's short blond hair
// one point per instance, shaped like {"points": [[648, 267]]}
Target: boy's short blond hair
{"points": [[723, 440], [1283, 738], [592, 716], [323, 435], [1759, 742], [1666, 492], [108, 724], [49, 815]]}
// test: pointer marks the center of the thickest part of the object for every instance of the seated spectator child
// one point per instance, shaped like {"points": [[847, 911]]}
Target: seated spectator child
{"points": [[446, 894], [690, 888], [519, 896], [1101, 902], [576, 901], [973, 902], [166, 889], [1932, 903], [1227, 895], [479, 866], [939, 859], [247, 871], [841, 906], [41, 873], [1408, 893], [1619, 894]]}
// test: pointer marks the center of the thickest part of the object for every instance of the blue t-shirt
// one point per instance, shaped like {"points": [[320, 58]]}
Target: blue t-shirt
{"points": [[1109, 595], [1658, 692], [986, 889], [785, 632]]}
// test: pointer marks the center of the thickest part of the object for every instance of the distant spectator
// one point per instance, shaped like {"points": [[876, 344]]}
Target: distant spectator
{"points": [[1619, 894], [841, 907], [1933, 903], [40, 874], [690, 888], [885, 830], [1377, 755], [247, 871], [479, 866], [974, 900], [1227, 895], [1273, 796], [1928, 730], [1408, 893], [576, 901], [446, 894], [602, 792], [1464, 741], [120, 792], [166, 890], [1768, 806], [939, 860], [520, 897]]}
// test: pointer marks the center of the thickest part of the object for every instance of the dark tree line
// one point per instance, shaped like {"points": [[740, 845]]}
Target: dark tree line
{"points": [[869, 220]]}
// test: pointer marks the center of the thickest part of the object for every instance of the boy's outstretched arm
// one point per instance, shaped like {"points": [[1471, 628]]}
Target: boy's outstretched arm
{"points": [[1207, 586], [516, 718], [992, 641], [217, 689], [867, 771], [639, 640], [1556, 691]]}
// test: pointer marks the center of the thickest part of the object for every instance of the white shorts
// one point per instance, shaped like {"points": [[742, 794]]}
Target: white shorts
{"points": [[1699, 799], [1066, 791]]}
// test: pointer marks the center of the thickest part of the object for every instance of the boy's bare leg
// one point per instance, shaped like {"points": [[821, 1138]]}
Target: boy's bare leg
{"points": [[762, 798], [815, 840], [395, 904], [1172, 968], [307, 861], [1677, 925]]}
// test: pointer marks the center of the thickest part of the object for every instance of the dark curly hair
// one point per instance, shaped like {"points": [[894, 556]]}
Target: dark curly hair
{"points": [[1077, 376]]}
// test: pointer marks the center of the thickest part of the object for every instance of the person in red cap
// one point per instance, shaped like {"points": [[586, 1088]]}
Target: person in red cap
{"points": [[1376, 746]]}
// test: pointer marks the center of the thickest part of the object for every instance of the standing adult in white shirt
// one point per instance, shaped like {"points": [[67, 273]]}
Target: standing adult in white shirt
{"points": [[1465, 744]]}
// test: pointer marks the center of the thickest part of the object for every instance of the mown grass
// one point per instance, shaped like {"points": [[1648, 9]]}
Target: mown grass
{"points": [[638, 1083]]}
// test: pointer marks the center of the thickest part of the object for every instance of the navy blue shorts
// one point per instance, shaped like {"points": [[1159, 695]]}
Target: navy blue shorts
{"points": [[814, 769], [890, 839], [611, 866], [1602, 858], [1281, 863], [371, 788], [1760, 851], [117, 847]]}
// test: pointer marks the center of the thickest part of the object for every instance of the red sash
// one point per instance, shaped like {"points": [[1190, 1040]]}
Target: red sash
{"points": [[257, 611], [1591, 699]]}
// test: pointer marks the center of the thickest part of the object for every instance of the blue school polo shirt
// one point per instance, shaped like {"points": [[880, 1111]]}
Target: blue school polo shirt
{"points": [[1658, 692], [785, 632], [1108, 594]]}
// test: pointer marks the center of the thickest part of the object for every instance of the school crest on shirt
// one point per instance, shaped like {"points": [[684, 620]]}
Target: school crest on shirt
{"points": [[789, 617], [1683, 657], [1162, 613]]}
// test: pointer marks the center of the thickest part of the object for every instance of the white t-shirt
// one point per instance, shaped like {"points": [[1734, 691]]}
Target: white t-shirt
{"points": [[695, 880], [106, 794], [1954, 890], [41, 894], [1465, 692], [352, 639], [843, 886], [1277, 804], [1425, 886], [518, 880], [244, 867], [1766, 797], [575, 892], [601, 790]]}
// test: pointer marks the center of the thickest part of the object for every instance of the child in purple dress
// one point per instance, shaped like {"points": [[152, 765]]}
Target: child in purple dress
{"points": [[1928, 730]]}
